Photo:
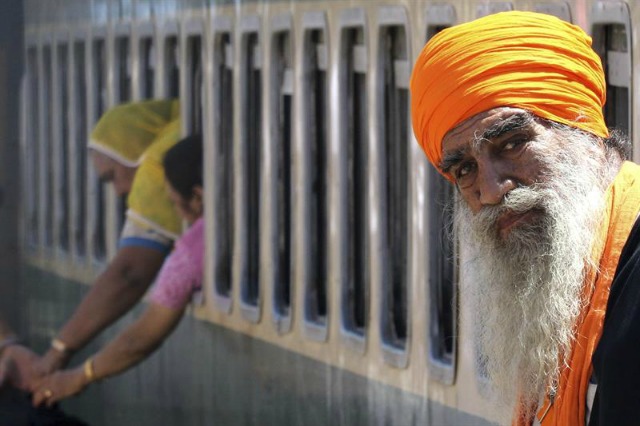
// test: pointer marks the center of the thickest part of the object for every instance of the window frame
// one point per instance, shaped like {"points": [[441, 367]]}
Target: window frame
{"points": [[314, 327], [168, 32], [191, 30], [353, 335], [29, 139], [561, 9], [78, 153], [97, 104], [45, 99], [220, 170], [279, 204], [485, 9], [603, 15], [60, 136], [249, 26], [394, 353], [440, 369], [144, 32]]}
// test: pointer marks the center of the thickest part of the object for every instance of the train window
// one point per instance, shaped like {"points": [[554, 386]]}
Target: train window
{"points": [[281, 131], [146, 72], [251, 81], [485, 9], [31, 146], [561, 10], [60, 140], [354, 136], [315, 127], [393, 113], [611, 34], [46, 145], [443, 267], [122, 72], [78, 153], [171, 87], [224, 181], [193, 107], [98, 189], [443, 277], [122, 91]]}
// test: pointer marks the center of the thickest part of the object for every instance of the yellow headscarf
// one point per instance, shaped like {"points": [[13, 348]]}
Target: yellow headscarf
{"points": [[148, 202], [125, 131], [527, 60], [138, 134]]}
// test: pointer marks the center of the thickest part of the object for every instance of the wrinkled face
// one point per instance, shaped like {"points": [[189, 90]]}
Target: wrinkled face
{"points": [[189, 209], [109, 170], [495, 152]]}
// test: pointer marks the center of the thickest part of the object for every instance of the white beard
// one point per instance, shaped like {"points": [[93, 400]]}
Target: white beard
{"points": [[525, 291]]}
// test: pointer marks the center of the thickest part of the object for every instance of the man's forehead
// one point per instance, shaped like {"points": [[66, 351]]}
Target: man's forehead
{"points": [[483, 125]]}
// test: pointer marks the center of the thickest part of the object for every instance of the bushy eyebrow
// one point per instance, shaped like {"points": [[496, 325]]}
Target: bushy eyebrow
{"points": [[514, 122]]}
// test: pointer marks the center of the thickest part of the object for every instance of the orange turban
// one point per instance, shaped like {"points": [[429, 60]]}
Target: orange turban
{"points": [[527, 60]]}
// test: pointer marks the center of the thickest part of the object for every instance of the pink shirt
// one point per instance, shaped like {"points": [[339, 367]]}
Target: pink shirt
{"points": [[181, 273]]}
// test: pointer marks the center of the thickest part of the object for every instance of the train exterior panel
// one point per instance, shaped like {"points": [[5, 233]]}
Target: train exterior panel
{"points": [[331, 292]]}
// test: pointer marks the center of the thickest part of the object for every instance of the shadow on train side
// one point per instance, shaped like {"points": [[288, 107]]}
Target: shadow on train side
{"points": [[242, 380]]}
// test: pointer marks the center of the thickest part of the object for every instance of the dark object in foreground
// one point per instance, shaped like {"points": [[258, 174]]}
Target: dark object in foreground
{"points": [[16, 410]]}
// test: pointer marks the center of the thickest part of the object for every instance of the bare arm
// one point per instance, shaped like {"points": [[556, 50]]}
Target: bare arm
{"points": [[133, 345], [16, 361], [137, 342], [115, 291]]}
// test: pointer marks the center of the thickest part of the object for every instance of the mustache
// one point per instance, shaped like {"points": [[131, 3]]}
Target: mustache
{"points": [[517, 201]]}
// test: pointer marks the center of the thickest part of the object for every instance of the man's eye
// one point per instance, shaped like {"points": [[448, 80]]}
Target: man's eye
{"points": [[513, 143], [463, 170]]}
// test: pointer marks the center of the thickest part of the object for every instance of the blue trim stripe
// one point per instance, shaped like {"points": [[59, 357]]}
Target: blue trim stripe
{"points": [[143, 242]]}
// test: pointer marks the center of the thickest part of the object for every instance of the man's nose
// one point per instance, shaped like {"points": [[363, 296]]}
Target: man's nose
{"points": [[493, 184]]}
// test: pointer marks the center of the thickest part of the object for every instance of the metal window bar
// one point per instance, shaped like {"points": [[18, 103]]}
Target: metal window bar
{"points": [[224, 187], [611, 43], [443, 272], [60, 138], [98, 205], [315, 80], [252, 121], [194, 84], [354, 96], [46, 220], [32, 151], [282, 84], [146, 73], [171, 67], [122, 86], [78, 152], [394, 71]]}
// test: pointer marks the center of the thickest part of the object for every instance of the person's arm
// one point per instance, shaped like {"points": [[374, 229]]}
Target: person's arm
{"points": [[16, 361], [115, 291], [133, 345]]}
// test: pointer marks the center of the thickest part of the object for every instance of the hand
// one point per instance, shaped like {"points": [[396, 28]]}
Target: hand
{"points": [[58, 386], [17, 367], [51, 361]]}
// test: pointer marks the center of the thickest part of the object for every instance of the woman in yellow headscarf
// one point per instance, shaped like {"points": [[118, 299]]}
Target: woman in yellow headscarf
{"points": [[127, 147]]}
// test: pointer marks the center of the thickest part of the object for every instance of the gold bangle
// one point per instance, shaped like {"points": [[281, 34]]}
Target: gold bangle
{"points": [[59, 345], [89, 373]]}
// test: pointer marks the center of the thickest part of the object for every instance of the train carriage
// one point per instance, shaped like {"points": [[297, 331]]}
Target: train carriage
{"points": [[331, 286]]}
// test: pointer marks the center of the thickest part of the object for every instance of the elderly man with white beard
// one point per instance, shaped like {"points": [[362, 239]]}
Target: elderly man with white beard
{"points": [[509, 109]]}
